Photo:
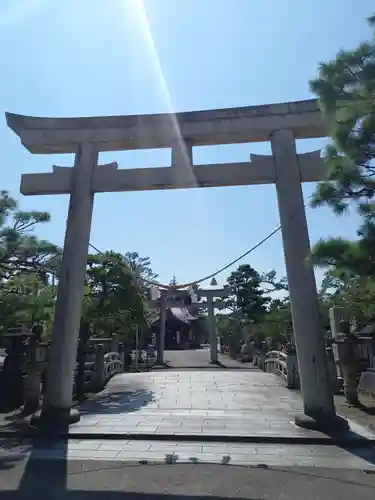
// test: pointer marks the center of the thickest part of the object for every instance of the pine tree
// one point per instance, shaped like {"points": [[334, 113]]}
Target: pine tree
{"points": [[346, 91]]}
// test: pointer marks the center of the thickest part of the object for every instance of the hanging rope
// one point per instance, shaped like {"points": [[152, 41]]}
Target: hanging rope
{"points": [[209, 276], [212, 275], [195, 282], [200, 280]]}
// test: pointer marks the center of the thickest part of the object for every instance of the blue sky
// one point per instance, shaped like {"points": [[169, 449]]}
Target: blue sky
{"points": [[107, 57]]}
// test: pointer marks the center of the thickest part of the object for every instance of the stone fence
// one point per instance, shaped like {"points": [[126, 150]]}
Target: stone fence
{"points": [[24, 362], [285, 365], [101, 367]]}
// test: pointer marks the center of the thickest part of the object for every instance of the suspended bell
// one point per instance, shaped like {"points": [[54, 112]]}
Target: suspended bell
{"points": [[213, 282]]}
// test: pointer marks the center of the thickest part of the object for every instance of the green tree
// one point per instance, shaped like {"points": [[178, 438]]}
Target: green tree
{"points": [[25, 299], [20, 250], [355, 294], [231, 331], [246, 298], [272, 284], [140, 267], [113, 302], [277, 323], [114, 298], [25, 293], [345, 88], [346, 258], [252, 311]]}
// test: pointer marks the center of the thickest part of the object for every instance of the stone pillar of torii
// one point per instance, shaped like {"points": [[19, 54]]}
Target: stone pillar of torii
{"points": [[281, 124]]}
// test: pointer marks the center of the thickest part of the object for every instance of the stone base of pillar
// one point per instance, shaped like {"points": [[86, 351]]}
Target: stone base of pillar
{"points": [[332, 424], [31, 405], [55, 419]]}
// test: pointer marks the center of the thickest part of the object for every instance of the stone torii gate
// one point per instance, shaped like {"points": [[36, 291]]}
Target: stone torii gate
{"points": [[280, 123], [167, 298], [164, 301]]}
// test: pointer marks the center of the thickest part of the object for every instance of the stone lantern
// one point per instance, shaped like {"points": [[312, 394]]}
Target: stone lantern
{"points": [[36, 359]]}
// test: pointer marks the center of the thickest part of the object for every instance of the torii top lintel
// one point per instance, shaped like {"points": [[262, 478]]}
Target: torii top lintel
{"points": [[200, 128]]}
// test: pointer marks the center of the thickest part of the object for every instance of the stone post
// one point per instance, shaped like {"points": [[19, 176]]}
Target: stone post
{"points": [[13, 375], [314, 376], [81, 364], [336, 315], [33, 382], [292, 370], [345, 351], [263, 356], [57, 406], [121, 350], [36, 360], [100, 368], [333, 370], [212, 328], [349, 361]]}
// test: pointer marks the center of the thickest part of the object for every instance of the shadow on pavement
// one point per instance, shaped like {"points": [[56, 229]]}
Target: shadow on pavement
{"points": [[355, 444], [366, 451], [62, 479], [113, 402], [49, 479], [235, 365], [54, 479], [15, 425], [161, 366], [316, 472], [11, 460]]}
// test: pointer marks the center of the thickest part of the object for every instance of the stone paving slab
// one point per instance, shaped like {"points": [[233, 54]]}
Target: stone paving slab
{"points": [[197, 403], [193, 452]]}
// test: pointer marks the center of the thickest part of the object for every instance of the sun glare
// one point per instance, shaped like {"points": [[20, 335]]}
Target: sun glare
{"points": [[141, 18]]}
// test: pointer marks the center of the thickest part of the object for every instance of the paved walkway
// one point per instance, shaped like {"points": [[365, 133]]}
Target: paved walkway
{"points": [[199, 417], [226, 404], [200, 358]]}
